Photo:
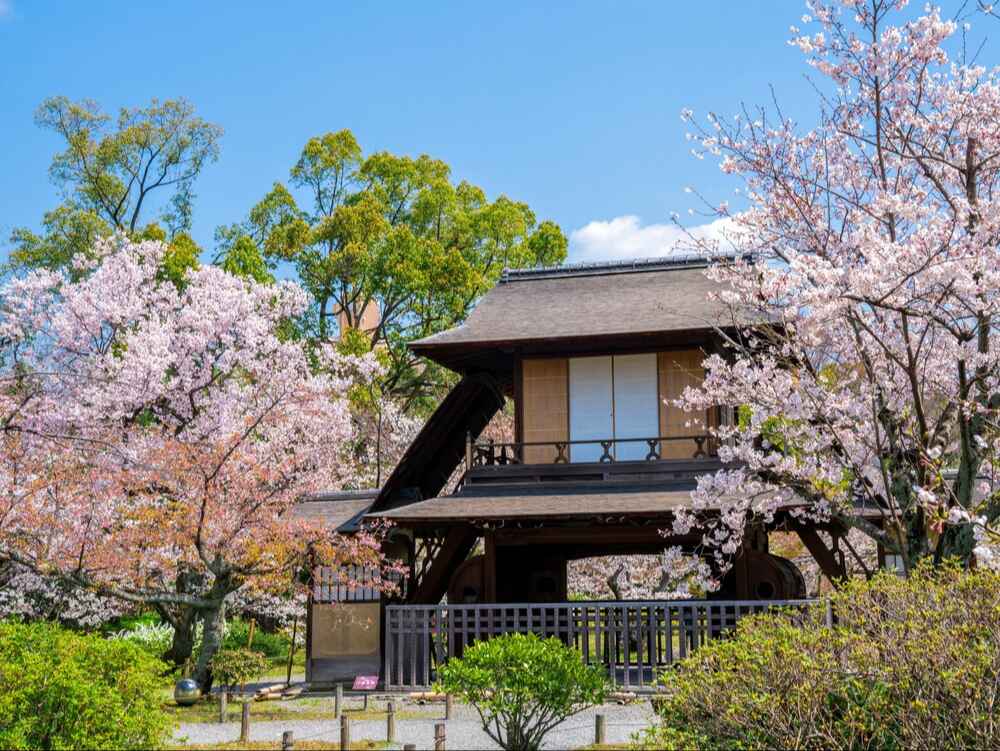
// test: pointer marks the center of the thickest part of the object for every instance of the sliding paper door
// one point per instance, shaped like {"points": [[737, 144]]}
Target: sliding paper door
{"points": [[591, 414], [636, 413]]}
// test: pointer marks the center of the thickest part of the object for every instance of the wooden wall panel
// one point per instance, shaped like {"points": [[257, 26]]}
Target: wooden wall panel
{"points": [[545, 406], [679, 369]]}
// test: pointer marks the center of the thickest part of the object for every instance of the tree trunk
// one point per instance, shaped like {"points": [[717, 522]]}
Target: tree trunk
{"points": [[213, 631], [183, 618], [182, 645]]}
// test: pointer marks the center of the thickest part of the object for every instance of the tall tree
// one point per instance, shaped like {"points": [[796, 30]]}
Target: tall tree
{"points": [[868, 266], [126, 175], [155, 439], [389, 246]]}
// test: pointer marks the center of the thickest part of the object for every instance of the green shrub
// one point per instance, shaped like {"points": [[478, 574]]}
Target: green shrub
{"points": [[911, 663], [272, 644], [522, 686], [237, 667], [60, 689]]}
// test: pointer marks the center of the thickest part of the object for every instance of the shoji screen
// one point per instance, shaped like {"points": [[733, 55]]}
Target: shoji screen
{"points": [[678, 370], [545, 407], [636, 416], [590, 405]]}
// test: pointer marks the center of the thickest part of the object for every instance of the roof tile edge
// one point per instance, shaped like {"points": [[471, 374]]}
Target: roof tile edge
{"points": [[678, 260]]}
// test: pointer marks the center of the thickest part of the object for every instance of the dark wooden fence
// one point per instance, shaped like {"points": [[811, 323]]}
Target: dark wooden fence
{"points": [[353, 583], [631, 640]]}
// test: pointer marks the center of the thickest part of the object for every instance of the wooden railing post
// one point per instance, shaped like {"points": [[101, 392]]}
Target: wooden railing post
{"points": [[440, 737], [390, 723], [338, 700], [600, 730], [448, 700], [223, 704], [345, 733], [468, 450], [287, 741]]}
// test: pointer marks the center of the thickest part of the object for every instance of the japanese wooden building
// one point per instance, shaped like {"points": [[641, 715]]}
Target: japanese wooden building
{"points": [[590, 357]]}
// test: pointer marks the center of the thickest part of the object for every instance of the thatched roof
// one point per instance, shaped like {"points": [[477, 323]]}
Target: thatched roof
{"points": [[546, 501], [656, 296], [341, 511]]}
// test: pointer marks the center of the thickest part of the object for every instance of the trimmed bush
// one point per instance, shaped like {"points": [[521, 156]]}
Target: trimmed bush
{"points": [[911, 663], [522, 686], [237, 667], [61, 690]]}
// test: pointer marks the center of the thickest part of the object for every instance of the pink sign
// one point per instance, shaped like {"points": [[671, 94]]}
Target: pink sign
{"points": [[365, 682]]}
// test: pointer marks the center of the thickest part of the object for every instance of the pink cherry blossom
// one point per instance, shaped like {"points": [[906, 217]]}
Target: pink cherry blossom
{"points": [[153, 433], [864, 282]]}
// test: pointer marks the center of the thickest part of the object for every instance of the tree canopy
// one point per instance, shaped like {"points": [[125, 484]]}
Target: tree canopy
{"points": [[868, 259], [386, 245], [155, 439], [133, 174]]}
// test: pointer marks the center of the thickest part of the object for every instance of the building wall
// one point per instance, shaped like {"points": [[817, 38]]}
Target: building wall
{"points": [[546, 412]]}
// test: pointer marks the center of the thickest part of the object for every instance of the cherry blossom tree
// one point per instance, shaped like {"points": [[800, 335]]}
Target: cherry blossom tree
{"points": [[865, 279], [156, 437]]}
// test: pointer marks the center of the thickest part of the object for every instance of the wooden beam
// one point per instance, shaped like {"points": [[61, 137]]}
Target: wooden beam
{"points": [[490, 566], [456, 548], [595, 535], [828, 563]]}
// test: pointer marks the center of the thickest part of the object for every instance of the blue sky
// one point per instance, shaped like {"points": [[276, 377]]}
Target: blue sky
{"points": [[571, 107]]}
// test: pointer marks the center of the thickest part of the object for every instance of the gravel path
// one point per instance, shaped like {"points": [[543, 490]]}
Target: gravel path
{"points": [[463, 730]]}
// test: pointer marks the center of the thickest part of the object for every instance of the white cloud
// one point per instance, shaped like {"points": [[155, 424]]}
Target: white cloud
{"points": [[625, 237]]}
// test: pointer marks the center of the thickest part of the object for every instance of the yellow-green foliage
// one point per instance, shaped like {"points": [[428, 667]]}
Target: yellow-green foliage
{"points": [[237, 667], [64, 690], [910, 663], [522, 686]]}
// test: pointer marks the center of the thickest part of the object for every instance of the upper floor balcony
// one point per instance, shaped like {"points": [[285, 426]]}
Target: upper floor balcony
{"points": [[631, 460]]}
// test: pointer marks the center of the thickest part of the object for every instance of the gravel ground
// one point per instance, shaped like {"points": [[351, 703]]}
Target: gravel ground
{"points": [[463, 730]]}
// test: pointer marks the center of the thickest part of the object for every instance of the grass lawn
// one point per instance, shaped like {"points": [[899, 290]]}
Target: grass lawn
{"points": [[362, 745], [305, 708]]}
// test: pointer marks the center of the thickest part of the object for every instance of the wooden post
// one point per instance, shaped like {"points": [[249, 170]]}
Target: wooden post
{"points": [[439, 736], [366, 701], [409, 747], [600, 730], [448, 700], [390, 723], [287, 741], [223, 704], [291, 650], [468, 450], [345, 733], [338, 700], [253, 625], [245, 723]]}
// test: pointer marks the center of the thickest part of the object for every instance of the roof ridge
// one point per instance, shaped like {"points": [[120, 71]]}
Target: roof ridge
{"points": [[676, 260]]}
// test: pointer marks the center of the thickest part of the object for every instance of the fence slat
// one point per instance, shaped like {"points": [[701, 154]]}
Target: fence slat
{"points": [[620, 635]]}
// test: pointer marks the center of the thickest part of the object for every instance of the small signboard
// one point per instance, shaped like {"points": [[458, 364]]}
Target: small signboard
{"points": [[365, 682]]}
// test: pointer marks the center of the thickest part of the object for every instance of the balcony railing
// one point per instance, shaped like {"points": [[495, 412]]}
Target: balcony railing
{"points": [[492, 453]]}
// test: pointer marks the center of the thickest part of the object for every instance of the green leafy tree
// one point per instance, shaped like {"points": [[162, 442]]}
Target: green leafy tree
{"points": [[132, 174], [522, 686], [60, 689], [390, 239]]}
